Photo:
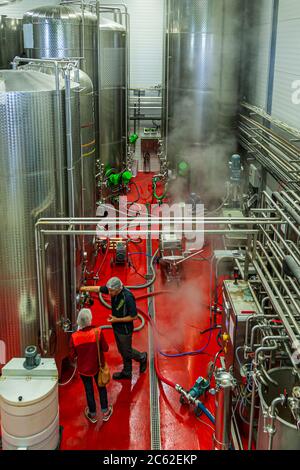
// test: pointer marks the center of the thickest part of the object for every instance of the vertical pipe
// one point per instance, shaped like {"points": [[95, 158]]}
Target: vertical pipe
{"points": [[272, 56], [71, 185], [167, 74], [38, 250], [60, 167], [224, 384], [127, 85]]}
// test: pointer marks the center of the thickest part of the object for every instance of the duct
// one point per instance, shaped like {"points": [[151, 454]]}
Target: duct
{"points": [[11, 40], [30, 188]]}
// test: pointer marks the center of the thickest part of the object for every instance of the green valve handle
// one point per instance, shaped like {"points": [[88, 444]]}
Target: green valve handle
{"points": [[183, 169], [133, 138]]}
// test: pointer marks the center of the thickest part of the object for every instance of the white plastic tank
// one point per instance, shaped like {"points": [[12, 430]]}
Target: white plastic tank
{"points": [[29, 406]]}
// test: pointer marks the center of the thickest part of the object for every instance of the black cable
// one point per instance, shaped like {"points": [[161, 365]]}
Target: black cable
{"points": [[129, 204], [210, 329]]}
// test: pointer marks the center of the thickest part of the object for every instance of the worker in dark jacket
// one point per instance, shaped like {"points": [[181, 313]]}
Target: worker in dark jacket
{"points": [[83, 347], [124, 313]]}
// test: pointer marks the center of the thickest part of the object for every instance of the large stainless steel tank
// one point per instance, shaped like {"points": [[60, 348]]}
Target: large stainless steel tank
{"points": [[202, 85], [287, 436], [11, 40], [112, 96], [30, 189], [59, 32], [87, 135], [63, 32]]}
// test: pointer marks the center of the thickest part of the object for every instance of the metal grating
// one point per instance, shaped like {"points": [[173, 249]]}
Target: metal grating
{"points": [[153, 382]]}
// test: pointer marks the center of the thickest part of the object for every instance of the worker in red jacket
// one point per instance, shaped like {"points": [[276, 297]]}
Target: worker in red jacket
{"points": [[83, 347]]}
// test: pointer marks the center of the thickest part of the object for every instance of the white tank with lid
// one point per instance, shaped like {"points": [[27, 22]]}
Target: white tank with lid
{"points": [[29, 406]]}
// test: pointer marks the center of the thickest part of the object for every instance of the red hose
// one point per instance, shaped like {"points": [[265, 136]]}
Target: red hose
{"points": [[153, 294]]}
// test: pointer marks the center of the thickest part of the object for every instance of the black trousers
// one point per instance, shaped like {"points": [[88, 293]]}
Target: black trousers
{"points": [[124, 345], [89, 391]]}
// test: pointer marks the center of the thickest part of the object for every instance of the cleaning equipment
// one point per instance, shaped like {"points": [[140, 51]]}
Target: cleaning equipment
{"points": [[200, 388], [29, 403]]}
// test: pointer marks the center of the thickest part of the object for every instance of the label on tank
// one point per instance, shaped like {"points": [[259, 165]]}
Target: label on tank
{"points": [[28, 36]]}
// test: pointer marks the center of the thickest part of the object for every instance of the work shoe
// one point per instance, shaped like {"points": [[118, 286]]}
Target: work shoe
{"points": [[88, 415], [121, 375], [107, 414], [143, 363]]}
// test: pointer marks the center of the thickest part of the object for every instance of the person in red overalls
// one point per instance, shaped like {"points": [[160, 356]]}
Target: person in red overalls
{"points": [[83, 347]]}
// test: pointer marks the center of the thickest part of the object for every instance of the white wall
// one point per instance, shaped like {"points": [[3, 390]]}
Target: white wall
{"points": [[18, 9], [287, 65], [147, 19]]}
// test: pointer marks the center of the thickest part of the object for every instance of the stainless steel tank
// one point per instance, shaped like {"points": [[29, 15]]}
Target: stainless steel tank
{"points": [[112, 95], [30, 189], [202, 85], [11, 40], [287, 436], [59, 32], [64, 32], [87, 136]]}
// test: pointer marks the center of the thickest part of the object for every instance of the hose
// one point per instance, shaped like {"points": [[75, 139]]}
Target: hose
{"points": [[129, 204], [70, 379], [189, 353], [139, 286], [138, 328], [169, 382], [159, 198]]}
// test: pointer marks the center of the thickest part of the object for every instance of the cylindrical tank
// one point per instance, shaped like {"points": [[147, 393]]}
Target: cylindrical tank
{"points": [[112, 96], [33, 184], [59, 32], [63, 32], [287, 436], [29, 406], [202, 85], [11, 40], [87, 135]]}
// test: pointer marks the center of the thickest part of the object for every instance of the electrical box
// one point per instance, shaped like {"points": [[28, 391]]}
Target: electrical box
{"points": [[238, 306], [254, 176]]}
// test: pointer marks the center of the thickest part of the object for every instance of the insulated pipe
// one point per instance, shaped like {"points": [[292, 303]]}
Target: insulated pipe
{"points": [[287, 206], [291, 268]]}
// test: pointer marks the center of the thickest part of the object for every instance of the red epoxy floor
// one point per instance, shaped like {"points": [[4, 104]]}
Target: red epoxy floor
{"points": [[180, 317]]}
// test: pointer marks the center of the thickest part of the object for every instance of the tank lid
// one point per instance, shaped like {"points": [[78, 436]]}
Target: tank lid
{"points": [[26, 81], [52, 12], [23, 392], [109, 25]]}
